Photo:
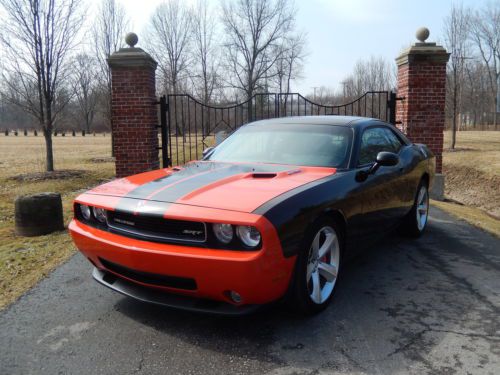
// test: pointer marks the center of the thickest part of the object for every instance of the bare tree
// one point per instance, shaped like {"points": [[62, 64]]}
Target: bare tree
{"points": [[456, 36], [205, 73], [108, 36], [86, 89], [38, 37], [486, 36], [170, 35], [374, 74], [476, 94], [255, 30], [289, 64]]}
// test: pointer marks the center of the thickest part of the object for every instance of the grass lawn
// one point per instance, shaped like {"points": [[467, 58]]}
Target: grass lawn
{"points": [[472, 177], [24, 260], [472, 171]]}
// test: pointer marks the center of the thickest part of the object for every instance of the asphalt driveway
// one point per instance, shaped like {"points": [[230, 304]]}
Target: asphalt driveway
{"points": [[425, 306]]}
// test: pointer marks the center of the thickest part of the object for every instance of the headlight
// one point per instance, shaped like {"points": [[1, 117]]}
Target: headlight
{"points": [[100, 214], [250, 236], [85, 210], [223, 232]]}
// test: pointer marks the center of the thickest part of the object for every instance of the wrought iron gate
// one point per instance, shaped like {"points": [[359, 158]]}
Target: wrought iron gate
{"points": [[189, 126]]}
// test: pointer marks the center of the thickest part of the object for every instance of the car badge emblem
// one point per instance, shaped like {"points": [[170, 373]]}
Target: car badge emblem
{"points": [[193, 232], [126, 222]]}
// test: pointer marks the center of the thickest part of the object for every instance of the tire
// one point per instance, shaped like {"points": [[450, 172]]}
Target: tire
{"points": [[38, 214], [316, 277], [415, 222]]}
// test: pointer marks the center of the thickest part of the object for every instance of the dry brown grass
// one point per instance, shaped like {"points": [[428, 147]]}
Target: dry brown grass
{"points": [[477, 149], [23, 261], [472, 171], [472, 215]]}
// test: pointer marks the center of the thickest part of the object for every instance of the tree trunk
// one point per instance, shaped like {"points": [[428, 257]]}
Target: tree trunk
{"points": [[87, 123], [495, 112], [49, 160]]}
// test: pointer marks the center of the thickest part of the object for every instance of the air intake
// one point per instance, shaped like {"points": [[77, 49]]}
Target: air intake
{"points": [[263, 175]]}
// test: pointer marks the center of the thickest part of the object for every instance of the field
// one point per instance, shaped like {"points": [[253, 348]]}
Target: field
{"points": [[472, 177], [23, 260], [473, 170]]}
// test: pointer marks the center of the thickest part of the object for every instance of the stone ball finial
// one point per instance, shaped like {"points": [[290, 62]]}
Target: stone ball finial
{"points": [[422, 34], [131, 39]]}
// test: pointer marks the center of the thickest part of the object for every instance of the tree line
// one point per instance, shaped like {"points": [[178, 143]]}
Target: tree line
{"points": [[472, 37], [55, 74]]}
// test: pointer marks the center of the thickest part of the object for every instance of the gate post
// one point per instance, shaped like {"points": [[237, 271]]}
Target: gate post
{"points": [[133, 112], [421, 82]]}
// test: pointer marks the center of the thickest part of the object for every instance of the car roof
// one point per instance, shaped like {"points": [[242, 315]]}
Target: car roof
{"points": [[351, 121]]}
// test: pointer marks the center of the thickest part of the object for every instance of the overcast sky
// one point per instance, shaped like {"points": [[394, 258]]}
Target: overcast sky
{"points": [[340, 32]]}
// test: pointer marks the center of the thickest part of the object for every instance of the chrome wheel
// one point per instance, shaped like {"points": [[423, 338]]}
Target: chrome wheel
{"points": [[322, 265], [422, 210]]}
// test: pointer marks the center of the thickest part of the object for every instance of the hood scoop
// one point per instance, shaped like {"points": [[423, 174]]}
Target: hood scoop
{"points": [[263, 175]]}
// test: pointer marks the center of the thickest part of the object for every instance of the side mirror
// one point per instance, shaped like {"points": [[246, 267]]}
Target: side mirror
{"points": [[387, 159], [384, 159], [207, 151]]}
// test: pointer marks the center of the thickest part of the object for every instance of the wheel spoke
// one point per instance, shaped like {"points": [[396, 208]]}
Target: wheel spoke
{"points": [[316, 292], [328, 271], [315, 244], [421, 196], [326, 247], [310, 269]]}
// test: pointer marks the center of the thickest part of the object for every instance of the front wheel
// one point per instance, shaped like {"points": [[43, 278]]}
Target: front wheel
{"points": [[416, 221], [317, 268]]}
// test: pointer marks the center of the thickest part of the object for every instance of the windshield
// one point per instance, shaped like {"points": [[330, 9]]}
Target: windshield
{"points": [[295, 144]]}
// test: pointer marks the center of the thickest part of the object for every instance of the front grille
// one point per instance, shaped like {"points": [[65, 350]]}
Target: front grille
{"points": [[156, 228], [150, 278]]}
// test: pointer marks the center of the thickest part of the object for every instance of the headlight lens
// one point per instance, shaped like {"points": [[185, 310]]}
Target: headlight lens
{"points": [[85, 210], [249, 235], [100, 214], [223, 232]]}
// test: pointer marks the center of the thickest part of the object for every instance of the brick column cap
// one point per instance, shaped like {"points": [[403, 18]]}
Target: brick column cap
{"points": [[423, 51], [131, 58]]}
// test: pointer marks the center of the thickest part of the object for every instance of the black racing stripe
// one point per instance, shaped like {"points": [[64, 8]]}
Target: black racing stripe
{"points": [[142, 207], [189, 170], [193, 176], [208, 174]]}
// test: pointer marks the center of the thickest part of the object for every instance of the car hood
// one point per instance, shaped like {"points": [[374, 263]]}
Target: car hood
{"points": [[229, 186]]}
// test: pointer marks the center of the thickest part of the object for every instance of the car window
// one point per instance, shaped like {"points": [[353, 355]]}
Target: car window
{"points": [[294, 144], [393, 139], [375, 140]]}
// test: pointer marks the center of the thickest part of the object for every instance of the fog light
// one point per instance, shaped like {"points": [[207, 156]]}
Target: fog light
{"points": [[235, 296]]}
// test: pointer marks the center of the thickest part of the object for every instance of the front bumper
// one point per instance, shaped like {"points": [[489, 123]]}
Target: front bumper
{"points": [[161, 298], [259, 276]]}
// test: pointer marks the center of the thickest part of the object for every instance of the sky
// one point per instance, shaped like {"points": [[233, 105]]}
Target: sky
{"points": [[341, 32]]}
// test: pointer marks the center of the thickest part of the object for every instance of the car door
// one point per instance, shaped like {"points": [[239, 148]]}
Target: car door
{"points": [[382, 192]]}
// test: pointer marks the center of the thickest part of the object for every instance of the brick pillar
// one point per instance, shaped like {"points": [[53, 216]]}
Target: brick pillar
{"points": [[422, 84], [133, 113]]}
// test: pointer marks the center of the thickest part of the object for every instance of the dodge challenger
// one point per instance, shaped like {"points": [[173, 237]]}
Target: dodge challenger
{"points": [[272, 213]]}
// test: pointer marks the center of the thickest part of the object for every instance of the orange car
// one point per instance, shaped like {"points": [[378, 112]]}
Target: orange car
{"points": [[269, 213]]}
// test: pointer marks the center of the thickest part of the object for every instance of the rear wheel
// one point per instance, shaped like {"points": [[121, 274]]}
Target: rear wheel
{"points": [[317, 268], [416, 220]]}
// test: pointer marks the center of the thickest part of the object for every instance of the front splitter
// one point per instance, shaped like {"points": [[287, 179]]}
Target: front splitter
{"points": [[157, 297]]}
